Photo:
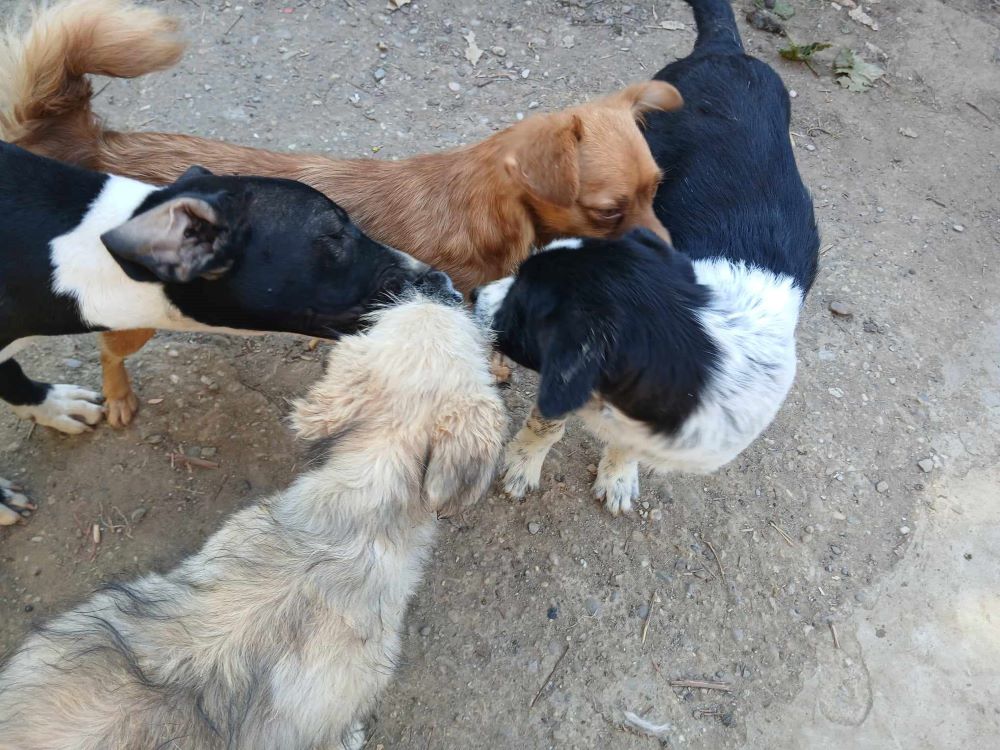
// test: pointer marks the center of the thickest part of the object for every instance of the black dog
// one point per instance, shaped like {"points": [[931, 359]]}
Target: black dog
{"points": [[674, 356], [207, 253]]}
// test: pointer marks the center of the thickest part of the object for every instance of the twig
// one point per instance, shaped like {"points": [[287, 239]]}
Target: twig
{"points": [[970, 104], [238, 19], [936, 202], [703, 684], [826, 249], [833, 632], [549, 678], [649, 615], [219, 491], [782, 532], [643, 726], [201, 463], [718, 562]]}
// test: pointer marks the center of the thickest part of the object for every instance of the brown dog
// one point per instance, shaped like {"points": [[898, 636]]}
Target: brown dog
{"points": [[474, 212]]}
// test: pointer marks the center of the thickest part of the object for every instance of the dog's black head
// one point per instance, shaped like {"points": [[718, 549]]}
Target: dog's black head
{"points": [[263, 254], [615, 316]]}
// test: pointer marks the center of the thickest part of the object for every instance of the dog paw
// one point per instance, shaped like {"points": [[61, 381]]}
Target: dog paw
{"points": [[66, 408], [501, 369], [121, 411], [354, 737], [617, 484], [13, 505], [519, 479]]}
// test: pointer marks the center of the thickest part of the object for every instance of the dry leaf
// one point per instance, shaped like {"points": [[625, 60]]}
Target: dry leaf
{"points": [[859, 15], [397, 4], [472, 52], [853, 72]]}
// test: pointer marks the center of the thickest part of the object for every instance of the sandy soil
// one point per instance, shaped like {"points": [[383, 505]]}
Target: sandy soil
{"points": [[853, 601]]}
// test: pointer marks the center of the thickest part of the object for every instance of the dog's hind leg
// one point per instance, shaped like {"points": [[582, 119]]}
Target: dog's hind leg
{"points": [[617, 482], [120, 399], [12, 503], [67, 408], [526, 453]]}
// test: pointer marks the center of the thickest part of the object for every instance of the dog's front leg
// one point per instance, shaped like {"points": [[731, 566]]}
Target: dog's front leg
{"points": [[67, 408], [526, 452], [617, 482], [120, 399], [12, 503]]}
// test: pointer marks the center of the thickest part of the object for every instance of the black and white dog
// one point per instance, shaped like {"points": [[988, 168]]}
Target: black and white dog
{"points": [[207, 253], [675, 357]]}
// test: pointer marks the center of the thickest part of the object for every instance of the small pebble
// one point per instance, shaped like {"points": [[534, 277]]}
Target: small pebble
{"points": [[593, 607], [29, 608], [379, 74], [455, 86], [810, 147], [138, 514], [907, 133], [656, 515], [37, 539], [425, 630], [642, 612], [73, 364], [173, 353], [534, 527], [836, 550], [208, 452], [904, 530], [498, 51], [958, 228], [553, 613], [926, 465], [793, 93], [835, 392], [841, 309], [882, 486], [592, 469]]}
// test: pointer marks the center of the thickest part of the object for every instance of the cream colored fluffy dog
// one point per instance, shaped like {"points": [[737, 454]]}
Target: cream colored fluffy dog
{"points": [[281, 632]]}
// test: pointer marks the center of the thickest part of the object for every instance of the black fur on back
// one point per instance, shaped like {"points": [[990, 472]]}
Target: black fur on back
{"points": [[730, 186]]}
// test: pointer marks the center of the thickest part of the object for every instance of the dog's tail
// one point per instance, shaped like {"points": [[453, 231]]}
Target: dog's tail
{"points": [[716, 26], [45, 96]]}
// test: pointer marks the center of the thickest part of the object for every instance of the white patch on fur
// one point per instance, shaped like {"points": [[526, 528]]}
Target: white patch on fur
{"points": [[752, 318], [87, 272], [568, 243], [491, 296], [617, 482], [67, 408]]}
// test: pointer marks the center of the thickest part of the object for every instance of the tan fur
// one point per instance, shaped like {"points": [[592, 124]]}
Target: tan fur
{"points": [[120, 401], [283, 629]]}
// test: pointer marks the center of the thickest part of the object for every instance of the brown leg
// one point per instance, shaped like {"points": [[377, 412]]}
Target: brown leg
{"points": [[120, 400], [501, 369]]}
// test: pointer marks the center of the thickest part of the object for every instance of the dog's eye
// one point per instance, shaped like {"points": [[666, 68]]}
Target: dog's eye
{"points": [[608, 215]]}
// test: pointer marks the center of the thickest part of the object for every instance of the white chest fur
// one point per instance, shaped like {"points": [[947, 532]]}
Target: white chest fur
{"points": [[752, 319], [85, 270]]}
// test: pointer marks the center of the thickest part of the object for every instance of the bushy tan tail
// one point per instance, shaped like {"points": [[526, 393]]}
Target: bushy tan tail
{"points": [[45, 96]]}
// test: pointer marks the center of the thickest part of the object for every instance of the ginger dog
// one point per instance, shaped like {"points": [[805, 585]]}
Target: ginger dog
{"points": [[475, 212]]}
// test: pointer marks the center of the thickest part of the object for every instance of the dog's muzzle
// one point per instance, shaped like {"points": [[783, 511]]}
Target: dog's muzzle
{"points": [[438, 284]]}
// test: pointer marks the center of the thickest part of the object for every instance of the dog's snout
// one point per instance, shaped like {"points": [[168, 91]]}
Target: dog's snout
{"points": [[438, 284]]}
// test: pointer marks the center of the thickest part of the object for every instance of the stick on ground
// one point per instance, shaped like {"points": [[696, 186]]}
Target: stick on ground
{"points": [[549, 678]]}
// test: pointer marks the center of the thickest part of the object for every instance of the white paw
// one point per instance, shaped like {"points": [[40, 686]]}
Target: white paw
{"points": [[521, 474], [67, 408], [354, 737], [12, 503], [617, 484]]}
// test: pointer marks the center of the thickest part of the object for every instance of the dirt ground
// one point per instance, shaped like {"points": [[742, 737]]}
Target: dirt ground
{"points": [[842, 577]]}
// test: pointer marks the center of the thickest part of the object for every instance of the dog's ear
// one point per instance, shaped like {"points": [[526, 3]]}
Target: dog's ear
{"points": [[179, 240], [195, 170], [546, 159], [571, 369], [648, 96], [463, 454]]}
